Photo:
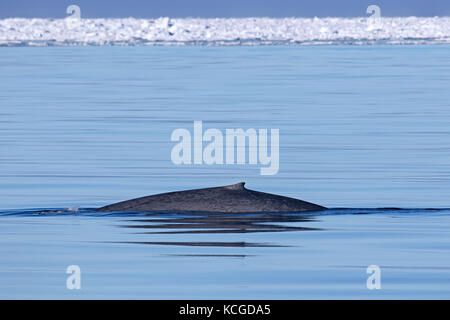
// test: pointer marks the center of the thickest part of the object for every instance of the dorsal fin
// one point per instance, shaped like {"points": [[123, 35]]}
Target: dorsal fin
{"points": [[237, 186]]}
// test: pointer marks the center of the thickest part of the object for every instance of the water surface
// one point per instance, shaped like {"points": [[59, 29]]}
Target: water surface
{"points": [[360, 127], [188, 256]]}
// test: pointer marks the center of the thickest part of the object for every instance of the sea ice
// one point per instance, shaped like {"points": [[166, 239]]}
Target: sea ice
{"points": [[224, 31]]}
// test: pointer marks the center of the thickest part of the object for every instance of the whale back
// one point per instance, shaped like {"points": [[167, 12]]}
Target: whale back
{"points": [[226, 199]]}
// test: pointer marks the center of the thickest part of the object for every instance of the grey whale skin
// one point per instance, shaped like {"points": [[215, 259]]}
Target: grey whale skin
{"points": [[227, 199]]}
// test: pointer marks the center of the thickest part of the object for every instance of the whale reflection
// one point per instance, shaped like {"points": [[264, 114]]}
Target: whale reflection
{"points": [[203, 223]]}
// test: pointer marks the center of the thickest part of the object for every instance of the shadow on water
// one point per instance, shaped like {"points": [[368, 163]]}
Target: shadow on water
{"points": [[196, 224], [222, 223]]}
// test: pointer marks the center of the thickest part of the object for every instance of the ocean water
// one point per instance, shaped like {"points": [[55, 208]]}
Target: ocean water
{"points": [[364, 130]]}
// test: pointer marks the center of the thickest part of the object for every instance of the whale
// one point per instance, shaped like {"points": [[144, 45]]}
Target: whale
{"points": [[233, 198]]}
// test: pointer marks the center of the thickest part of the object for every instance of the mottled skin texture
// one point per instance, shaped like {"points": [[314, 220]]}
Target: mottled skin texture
{"points": [[228, 199]]}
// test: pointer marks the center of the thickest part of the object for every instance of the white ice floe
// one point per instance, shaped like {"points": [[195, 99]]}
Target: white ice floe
{"points": [[224, 31]]}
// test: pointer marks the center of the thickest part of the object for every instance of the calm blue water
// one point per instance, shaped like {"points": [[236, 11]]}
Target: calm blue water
{"points": [[360, 127]]}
